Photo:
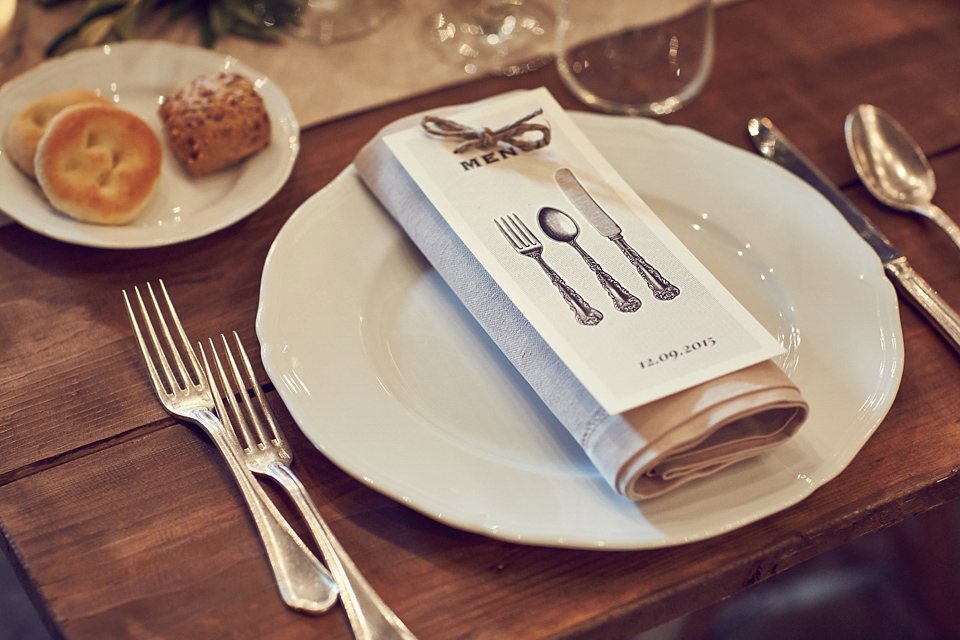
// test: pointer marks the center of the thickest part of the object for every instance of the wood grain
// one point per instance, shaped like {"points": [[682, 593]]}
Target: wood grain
{"points": [[126, 525]]}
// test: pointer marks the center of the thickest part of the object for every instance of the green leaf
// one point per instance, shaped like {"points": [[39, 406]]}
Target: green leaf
{"points": [[180, 9], [86, 34], [265, 34], [51, 3], [96, 31], [246, 15], [104, 21], [127, 23], [207, 37], [219, 20], [94, 8]]}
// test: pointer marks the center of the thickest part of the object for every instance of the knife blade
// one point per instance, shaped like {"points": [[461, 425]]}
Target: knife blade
{"points": [[773, 145], [596, 216], [662, 288]]}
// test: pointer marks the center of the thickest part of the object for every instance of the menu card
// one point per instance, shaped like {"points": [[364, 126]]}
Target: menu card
{"points": [[626, 307]]}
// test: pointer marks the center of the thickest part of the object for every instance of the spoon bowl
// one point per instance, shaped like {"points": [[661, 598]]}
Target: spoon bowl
{"points": [[888, 160], [558, 225], [892, 166], [561, 227]]}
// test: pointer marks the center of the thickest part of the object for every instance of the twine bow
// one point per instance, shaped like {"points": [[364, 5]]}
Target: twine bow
{"points": [[512, 134]]}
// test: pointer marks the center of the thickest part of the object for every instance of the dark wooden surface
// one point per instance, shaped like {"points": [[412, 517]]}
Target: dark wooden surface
{"points": [[125, 525]]}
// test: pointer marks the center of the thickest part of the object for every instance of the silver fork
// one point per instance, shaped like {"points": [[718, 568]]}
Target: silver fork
{"points": [[269, 455], [303, 582], [526, 244]]}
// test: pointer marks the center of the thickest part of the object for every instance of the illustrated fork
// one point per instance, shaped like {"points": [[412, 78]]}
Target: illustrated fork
{"points": [[526, 244], [267, 454], [303, 582]]}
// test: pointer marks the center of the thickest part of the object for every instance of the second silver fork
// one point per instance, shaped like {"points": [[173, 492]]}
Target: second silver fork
{"points": [[267, 454]]}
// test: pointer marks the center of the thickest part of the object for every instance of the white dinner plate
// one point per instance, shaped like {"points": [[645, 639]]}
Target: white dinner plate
{"points": [[391, 378], [136, 75]]}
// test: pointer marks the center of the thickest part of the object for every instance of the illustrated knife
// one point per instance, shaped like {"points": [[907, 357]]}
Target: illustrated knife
{"points": [[772, 144], [605, 226]]}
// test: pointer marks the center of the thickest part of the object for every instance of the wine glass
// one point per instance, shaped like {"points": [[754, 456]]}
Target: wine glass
{"points": [[635, 58], [329, 21], [508, 37]]}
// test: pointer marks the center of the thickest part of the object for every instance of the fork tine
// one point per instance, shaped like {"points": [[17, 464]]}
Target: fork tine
{"points": [[258, 392], [231, 397], [144, 350], [245, 395], [194, 362], [507, 233], [523, 229], [214, 389], [516, 231], [164, 364], [174, 349]]}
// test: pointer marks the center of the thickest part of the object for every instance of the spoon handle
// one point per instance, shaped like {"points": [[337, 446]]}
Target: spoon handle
{"points": [[622, 299], [585, 314], [942, 220]]}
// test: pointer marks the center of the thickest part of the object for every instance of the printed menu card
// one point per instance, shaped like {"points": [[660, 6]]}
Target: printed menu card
{"points": [[624, 305]]}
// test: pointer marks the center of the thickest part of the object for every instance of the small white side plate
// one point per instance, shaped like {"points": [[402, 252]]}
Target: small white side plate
{"points": [[136, 75]]}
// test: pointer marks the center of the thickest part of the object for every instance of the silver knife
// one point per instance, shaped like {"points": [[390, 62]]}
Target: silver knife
{"points": [[774, 146], [605, 226]]}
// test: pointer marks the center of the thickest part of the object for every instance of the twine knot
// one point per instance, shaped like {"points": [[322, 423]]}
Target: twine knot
{"points": [[511, 134]]}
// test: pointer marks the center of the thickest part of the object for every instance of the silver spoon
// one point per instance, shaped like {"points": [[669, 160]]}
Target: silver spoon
{"points": [[562, 228], [892, 166]]}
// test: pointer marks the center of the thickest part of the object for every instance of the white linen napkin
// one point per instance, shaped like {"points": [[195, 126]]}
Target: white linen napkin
{"points": [[643, 452]]}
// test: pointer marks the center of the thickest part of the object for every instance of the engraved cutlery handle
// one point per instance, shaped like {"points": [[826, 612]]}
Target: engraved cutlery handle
{"points": [[584, 313], [926, 300], [623, 300], [661, 287], [370, 618], [303, 582]]}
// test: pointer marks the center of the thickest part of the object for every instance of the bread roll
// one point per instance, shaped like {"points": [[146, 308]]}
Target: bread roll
{"points": [[25, 130], [98, 163], [215, 121]]}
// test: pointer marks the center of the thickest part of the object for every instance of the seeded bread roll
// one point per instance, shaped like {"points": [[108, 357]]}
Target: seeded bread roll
{"points": [[25, 130], [215, 121], [98, 163]]}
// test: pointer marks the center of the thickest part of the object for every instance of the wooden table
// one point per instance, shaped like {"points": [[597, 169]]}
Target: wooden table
{"points": [[126, 525]]}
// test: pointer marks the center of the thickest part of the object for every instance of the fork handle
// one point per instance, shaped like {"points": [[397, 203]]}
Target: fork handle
{"points": [[370, 618], [584, 313], [303, 582]]}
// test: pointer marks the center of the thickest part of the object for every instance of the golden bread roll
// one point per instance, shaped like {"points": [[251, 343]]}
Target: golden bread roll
{"points": [[24, 132], [215, 121], [98, 163]]}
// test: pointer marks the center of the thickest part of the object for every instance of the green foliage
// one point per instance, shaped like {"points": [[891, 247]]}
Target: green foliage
{"points": [[104, 21]]}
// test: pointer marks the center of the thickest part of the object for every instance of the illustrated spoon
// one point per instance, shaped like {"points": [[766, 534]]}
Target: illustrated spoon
{"points": [[892, 166], [562, 228]]}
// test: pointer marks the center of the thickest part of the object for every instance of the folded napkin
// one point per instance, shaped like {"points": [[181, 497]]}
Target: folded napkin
{"points": [[643, 452]]}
